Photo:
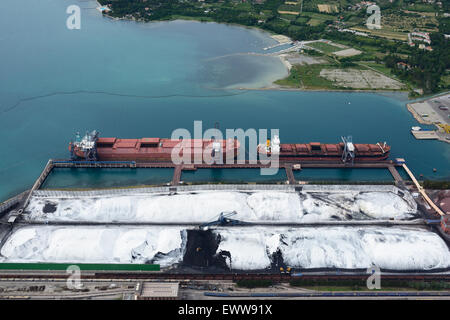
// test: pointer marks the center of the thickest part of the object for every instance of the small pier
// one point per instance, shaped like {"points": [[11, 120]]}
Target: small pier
{"points": [[277, 45], [47, 169], [290, 174], [425, 134], [397, 177], [177, 175]]}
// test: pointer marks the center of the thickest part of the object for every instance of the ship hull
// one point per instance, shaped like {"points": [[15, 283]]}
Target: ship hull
{"points": [[159, 150], [330, 159], [317, 152], [140, 158]]}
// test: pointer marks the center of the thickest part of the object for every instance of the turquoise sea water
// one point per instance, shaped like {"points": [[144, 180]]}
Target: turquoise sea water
{"points": [[330, 174], [232, 176], [135, 80], [61, 178]]}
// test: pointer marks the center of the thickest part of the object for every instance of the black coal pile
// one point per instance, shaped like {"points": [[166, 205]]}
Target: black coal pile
{"points": [[49, 207], [201, 251]]}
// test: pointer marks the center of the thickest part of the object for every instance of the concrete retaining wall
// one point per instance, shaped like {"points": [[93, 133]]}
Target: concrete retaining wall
{"points": [[228, 187], [11, 202]]}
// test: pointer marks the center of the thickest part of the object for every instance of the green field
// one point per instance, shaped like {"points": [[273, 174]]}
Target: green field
{"points": [[315, 22], [311, 5], [366, 49], [380, 67], [302, 19], [289, 7], [82, 266], [289, 17], [421, 7], [318, 16], [307, 77], [384, 33], [324, 47]]}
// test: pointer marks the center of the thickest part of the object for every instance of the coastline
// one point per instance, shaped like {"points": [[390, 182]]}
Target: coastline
{"points": [[430, 96], [190, 19], [416, 115], [276, 87], [280, 56], [286, 63]]}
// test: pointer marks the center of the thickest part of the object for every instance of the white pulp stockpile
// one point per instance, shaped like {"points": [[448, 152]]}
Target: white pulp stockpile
{"points": [[95, 245], [262, 206], [250, 248], [336, 247]]}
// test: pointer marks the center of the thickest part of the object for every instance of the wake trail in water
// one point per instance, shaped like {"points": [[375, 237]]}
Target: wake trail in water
{"points": [[57, 93]]}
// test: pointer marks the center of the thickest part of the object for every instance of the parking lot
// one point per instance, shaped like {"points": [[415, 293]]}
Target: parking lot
{"points": [[433, 110], [440, 103]]}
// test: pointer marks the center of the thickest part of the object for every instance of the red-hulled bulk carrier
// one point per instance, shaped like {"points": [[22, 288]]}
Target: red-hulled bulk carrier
{"points": [[347, 151], [92, 147]]}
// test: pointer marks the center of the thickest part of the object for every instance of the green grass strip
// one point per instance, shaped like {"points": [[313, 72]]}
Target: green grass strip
{"points": [[82, 266]]}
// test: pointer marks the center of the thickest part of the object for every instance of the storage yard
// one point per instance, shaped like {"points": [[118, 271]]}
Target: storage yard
{"points": [[433, 111], [357, 226], [239, 248], [165, 242], [194, 231], [266, 205], [360, 79]]}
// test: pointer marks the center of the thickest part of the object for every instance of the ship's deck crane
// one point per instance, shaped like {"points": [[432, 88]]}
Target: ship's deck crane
{"points": [[223, 220], [348, 155], [216, 146]]}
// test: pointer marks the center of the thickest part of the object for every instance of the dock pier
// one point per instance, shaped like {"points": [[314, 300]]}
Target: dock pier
{"points": [[177, 175], [397, 177], [47, 169], [288, 166], [290, 174]]}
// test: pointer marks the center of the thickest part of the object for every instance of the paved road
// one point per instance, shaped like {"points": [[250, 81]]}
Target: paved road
{"points": [[441, 101]]}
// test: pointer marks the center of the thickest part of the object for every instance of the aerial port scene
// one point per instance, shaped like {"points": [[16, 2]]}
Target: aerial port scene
{"points": [[221, 151]]}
